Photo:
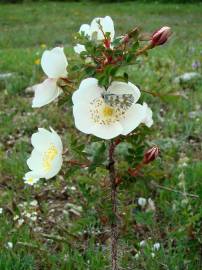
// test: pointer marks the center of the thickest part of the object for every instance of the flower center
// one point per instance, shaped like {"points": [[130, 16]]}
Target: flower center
{"points": [[107, 111], [103, 114], [30, 180], [48, 158]]}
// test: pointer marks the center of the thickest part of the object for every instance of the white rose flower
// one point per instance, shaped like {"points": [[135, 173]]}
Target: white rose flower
{"points": [[93, 30], [151, 205], [156, 246], [9, 245], [20, 221], [148, 121], [34, 203], [85, 29], [46, 158], [107, 27], [54, 64], [142, 201], [137, 255], [143, 243], [107, 114], [79, 48]]}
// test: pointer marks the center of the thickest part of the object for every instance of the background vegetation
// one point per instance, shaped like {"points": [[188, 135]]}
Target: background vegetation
{"points": [[61, 224], [106, 1]]}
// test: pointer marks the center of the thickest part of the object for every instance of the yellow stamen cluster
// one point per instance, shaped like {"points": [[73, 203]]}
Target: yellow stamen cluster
{"points": [[30, 180], [103, 114], [48, 158], [107, 111]]}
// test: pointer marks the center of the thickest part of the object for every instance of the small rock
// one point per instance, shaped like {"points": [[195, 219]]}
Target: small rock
{"points": [[142, 202], [4, 76], [9, 245], [29, 90], [142, 243], [187, 77]]}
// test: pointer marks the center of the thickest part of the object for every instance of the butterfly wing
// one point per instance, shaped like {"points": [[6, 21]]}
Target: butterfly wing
{"points": [[123, 101]]}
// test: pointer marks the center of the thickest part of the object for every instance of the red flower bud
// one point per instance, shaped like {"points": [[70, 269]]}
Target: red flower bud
{"points": [[126, 39], [160, 36], [151, 154]]}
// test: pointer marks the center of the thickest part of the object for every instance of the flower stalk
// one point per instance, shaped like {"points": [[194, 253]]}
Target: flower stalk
{"points": [[114, 226]]}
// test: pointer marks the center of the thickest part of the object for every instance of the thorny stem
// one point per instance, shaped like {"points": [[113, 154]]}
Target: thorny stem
{"points": [[114, 226], [75, 162], [144, 49]]}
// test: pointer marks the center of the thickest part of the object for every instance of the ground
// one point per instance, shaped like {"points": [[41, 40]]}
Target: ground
{"points": [[60, 224]]}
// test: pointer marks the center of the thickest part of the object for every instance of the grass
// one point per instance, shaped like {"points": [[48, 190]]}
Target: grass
{"points": [[82, 240]]}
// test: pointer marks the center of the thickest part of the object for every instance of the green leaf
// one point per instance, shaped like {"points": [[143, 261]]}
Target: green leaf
{"points": [[128, 57], [103, 81], [90, 71], [135, 46], [125, 76]]}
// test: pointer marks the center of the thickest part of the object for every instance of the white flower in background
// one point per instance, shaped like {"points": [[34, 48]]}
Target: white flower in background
{"points": [[54, 64], [46, 158], [9, 245], [156, 246], [85, 29], [148, 121], [79, 48], [93, 30], [33, 218], [142, 202], [31, 178], [151, 205], [137, 255], [20, 221], [107, 114], [34, 203], [1, 211], [143, 243]]}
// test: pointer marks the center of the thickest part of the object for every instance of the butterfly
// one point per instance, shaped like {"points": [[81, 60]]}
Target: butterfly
{"points": [[122, 101]]}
